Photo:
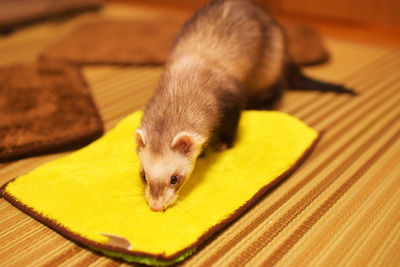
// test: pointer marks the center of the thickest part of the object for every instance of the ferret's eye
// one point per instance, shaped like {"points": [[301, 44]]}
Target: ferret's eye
{"points": [[143, 176], [174, 179]]}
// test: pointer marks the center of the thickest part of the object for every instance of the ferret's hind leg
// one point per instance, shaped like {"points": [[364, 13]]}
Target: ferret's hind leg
{"points": [[268, 99]]}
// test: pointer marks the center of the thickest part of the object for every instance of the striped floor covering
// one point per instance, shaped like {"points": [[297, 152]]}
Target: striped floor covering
{"points": [[341, 208]]}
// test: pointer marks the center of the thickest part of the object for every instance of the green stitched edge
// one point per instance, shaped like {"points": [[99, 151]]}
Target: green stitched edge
{"points": [[144, 260]]}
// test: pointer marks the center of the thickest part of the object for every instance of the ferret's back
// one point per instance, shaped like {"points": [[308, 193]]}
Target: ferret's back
{"points": [[229, 34]]}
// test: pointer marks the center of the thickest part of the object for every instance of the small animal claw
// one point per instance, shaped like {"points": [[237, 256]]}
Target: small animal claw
{"points": [[221, 147]]}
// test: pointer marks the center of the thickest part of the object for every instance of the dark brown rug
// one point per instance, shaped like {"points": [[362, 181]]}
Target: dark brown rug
{"points": [[147, 41], [305, 44], [44, 107]]}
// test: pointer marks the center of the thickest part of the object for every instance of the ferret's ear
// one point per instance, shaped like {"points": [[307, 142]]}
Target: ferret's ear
{"points": [[183, 142], [140, 138]]}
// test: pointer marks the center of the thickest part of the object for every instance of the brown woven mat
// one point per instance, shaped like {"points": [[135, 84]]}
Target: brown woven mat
{"points": [[340, 208], [21, 12], [110, 41], [44, 108], [147, 41]]}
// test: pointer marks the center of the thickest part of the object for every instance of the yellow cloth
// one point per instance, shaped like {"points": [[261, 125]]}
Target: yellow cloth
{"points": [[98, 190]]}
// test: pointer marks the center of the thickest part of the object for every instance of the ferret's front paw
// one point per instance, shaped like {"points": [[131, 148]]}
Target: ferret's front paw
{"points": [[221, 147]]}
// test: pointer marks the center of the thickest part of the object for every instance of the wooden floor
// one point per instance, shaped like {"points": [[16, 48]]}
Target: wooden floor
{"points": [[342, 207]]}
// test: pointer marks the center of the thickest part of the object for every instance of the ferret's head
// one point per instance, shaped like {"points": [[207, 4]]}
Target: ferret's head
{"points": [[165, 167]]}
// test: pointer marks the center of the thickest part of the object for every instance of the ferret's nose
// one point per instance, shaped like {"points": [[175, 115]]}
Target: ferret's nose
{"points": [[156, 206]]}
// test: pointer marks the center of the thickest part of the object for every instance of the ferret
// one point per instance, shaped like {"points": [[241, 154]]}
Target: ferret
{"points": [[231, 55]]}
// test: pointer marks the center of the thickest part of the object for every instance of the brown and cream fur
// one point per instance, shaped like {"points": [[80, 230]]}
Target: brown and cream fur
{"points": [[229, 56]]}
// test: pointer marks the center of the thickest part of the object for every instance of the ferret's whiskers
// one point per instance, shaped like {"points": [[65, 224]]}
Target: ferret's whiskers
{"points": [[179, 198], [194, 218], [136, 183], [137, 203], [135, 180], [129, 195]]}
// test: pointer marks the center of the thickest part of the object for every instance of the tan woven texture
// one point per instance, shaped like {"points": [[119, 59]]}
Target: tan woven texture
{"points": [[341, 208]]}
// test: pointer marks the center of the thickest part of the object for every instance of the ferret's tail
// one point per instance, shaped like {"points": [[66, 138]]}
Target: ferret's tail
{"points": [[296, 80]]}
